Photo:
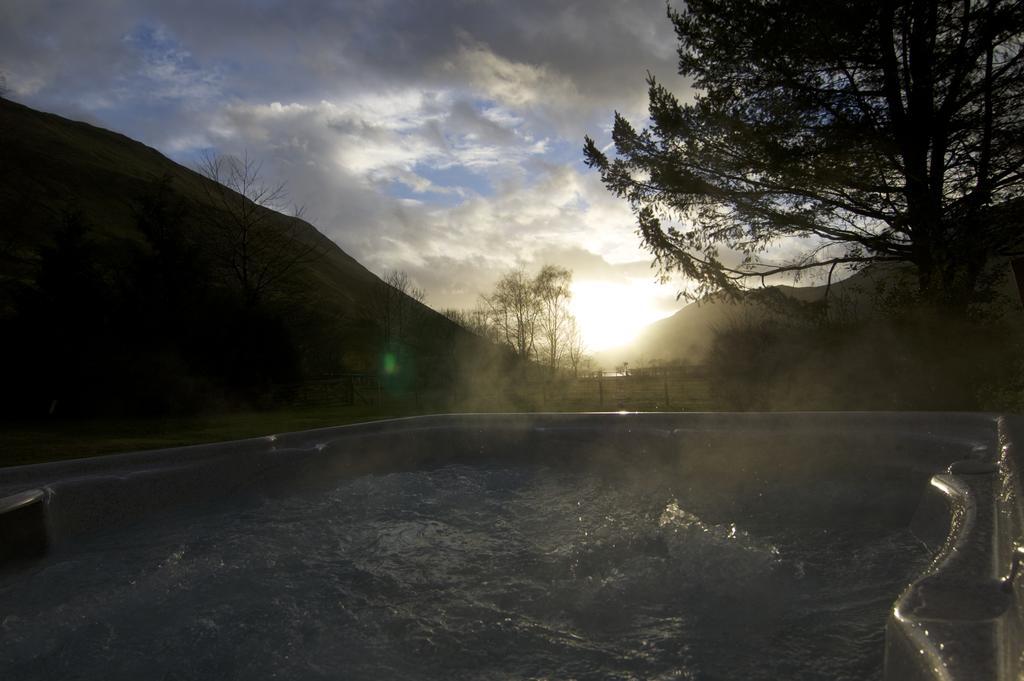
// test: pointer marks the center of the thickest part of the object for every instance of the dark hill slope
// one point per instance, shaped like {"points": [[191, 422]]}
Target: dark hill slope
{"points": [[85, 309], [876, 349], [687, 334], [51, 164]]}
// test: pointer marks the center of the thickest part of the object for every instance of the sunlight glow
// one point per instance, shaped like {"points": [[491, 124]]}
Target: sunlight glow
{"points": [[611, 314]]}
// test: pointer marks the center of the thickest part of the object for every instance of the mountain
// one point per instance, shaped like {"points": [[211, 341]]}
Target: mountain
{"points": [[113, 265], [50, 163], [688, 334]]}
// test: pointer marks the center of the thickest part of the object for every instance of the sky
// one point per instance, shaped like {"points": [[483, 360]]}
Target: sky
{"points": [[441, 137]]}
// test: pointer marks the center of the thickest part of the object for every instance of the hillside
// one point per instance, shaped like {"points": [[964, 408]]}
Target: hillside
{"points": [[110, 268], [687, 335], [50, 164]]}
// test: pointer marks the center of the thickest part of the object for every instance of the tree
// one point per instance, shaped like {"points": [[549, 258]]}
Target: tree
{"points": [[170, 274], [574, 346], [394, 302], [64, 320], [531, 316], [864, 132], [258, 249], [457, 316], [551, 287], [476, 320], [514, 310]]}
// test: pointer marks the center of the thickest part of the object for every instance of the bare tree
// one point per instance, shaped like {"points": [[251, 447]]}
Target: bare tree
{"points": [[476, 320], [394, 303], [531, 316], [457, 316], [250, 240], [551, 287], [481, 324], [574, 346], [514, 310], [473, 319], [410, 306]]}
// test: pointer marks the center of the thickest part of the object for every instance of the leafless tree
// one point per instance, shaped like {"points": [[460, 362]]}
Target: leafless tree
{"points": [[476, 320], [531, 316], [514, 309], [250, 239], [574, 346], [457, 316], [394, 304], [551, 287]]}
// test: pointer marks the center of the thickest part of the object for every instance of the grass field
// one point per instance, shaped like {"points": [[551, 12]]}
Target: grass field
{"points": [[51, 440], [39, 441]]}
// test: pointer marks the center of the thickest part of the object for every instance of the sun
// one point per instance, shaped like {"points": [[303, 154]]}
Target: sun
{"points": [[612, 314]]}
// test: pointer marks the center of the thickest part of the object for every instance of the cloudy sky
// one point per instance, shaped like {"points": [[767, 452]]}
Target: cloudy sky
{"points": [[439, 137]]}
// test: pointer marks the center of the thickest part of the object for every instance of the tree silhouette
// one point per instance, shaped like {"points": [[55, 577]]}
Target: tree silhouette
{"points": [[171, 275], [552, 290], [531, 317], [64, 318], [476, 320], [574, 347], [514, 311], [252, 242], [865, 132], [393, 303]]}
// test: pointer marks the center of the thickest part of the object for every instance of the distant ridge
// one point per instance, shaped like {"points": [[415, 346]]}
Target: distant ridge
{"points": [[688, 334]]}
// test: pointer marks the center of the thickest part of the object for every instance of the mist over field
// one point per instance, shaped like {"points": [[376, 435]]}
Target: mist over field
{"points": [[546, 339], [347, 212]]}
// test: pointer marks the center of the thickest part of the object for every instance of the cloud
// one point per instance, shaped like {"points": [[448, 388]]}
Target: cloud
{"points": [[442, 138], [556, 216], [513, 84]]}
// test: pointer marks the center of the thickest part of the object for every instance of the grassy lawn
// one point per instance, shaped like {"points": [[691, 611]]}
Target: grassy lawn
{"points": [[26, 442], [38, 441]]}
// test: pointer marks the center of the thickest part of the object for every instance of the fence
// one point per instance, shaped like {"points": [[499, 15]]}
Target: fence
{"points": [[665, 390], [341, 390], [676, 391]]}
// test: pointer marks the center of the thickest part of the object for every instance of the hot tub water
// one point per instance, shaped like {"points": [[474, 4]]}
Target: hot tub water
{"points": [[503, 572]]}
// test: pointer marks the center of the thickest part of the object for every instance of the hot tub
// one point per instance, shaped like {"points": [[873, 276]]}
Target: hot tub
{"points": [[684, 546]]}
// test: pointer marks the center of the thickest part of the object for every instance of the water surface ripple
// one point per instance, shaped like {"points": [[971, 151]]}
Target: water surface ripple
{"points": [[464, 573]]}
